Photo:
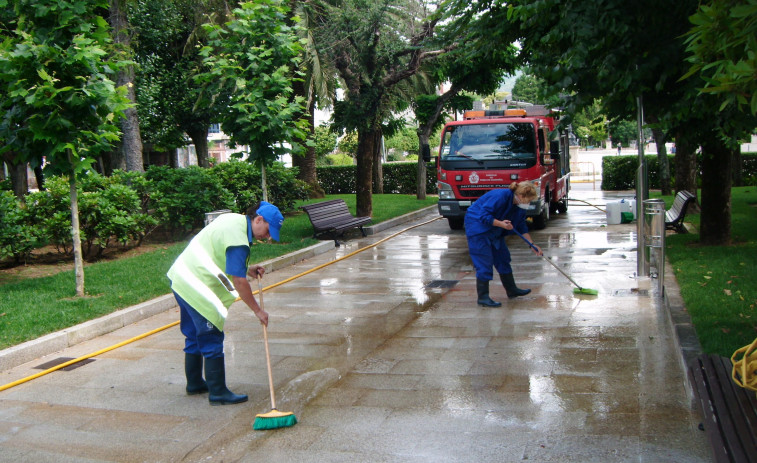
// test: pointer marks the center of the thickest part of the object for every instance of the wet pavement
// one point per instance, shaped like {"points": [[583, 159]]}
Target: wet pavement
{"points": [[384, 356]]}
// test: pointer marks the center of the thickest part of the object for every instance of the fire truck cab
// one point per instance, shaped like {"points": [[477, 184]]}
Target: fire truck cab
{"points": [[492, 149]]}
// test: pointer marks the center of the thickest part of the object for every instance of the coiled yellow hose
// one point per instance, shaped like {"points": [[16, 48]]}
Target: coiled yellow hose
{"points": [[744, 369]]}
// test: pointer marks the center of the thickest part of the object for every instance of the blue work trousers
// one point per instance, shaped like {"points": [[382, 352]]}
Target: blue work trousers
{"points": [[487, 252], [202, 337]]}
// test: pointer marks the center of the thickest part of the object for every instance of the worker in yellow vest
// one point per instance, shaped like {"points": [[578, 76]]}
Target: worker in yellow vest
{"points": [[206, 279]]}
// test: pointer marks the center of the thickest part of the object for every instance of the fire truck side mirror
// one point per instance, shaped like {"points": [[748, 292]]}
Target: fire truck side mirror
{"points": [[554, 148], [426, 152]]}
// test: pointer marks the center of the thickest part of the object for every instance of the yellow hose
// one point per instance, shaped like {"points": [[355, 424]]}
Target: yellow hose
{"points": [[172, 324]]}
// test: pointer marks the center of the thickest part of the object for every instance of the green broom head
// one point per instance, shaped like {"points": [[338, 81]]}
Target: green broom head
{"points": [[274, 420], [587, 291]]}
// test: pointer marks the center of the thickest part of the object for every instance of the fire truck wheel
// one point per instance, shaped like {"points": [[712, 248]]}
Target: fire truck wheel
{"points": [[562, 206], [540, 221], [455, 223]]}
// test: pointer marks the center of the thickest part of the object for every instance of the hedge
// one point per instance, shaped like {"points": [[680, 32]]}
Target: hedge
{"points": [[619, 172], [127, 206], [399, 178]]}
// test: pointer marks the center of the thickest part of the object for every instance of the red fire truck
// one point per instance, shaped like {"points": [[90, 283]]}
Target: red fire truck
{"points": [[492, 149]]}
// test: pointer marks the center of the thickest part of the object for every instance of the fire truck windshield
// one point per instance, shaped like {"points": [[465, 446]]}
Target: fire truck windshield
{"points": [[502, 144]]}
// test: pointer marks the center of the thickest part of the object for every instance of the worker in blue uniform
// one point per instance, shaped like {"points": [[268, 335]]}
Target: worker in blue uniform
{"points": [[487, 222]]}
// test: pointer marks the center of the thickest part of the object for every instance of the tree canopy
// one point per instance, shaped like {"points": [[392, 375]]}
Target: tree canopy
{"points": [[625, 51], [252, 59], [61, 103], [723, 51]]}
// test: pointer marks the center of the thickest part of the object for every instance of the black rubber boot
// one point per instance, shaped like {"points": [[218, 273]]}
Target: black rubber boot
{"points": [[482, 287], [193, 370], [508, 281], [215, 375]]}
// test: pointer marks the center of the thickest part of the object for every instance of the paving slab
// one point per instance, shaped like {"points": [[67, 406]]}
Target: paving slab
{"points": [[384, 356]]}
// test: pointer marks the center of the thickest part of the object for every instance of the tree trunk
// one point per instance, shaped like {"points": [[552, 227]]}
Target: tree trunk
{"points": [[685, 163], [378, 165], [306, 164], [364, 180], [76, 236], [662, 160], [264, 182], [131, 140], [112, 160], [130, 149], [18, 175], [173, 158], [115, 160], [199, 137], [420, 185], [421, 179], [715, 221], [19, 179]]}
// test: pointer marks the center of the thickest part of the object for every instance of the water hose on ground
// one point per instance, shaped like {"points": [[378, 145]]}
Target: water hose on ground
{"points": [[172, 324], [587, 203]]}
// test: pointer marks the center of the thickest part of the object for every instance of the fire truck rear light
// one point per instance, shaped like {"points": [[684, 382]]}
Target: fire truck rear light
{"points": [[513, 176]]}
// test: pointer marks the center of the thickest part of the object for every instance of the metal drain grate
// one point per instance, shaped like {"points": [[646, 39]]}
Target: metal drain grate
{"points": [[60, 360], [442, 284], [631, 292]]}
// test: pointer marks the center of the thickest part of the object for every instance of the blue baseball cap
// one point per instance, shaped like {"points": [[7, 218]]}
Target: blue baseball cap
{"points": [[273, 216]]}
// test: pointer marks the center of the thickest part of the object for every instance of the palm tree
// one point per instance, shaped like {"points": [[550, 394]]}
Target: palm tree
{"points": [[318, 88]]}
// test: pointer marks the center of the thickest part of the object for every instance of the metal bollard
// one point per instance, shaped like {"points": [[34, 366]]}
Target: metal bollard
{"points": [[654, 240], [211, 216]]}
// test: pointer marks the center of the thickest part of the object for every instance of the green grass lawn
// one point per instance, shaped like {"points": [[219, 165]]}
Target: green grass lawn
{"points": [[719, 283], [33, 307]]}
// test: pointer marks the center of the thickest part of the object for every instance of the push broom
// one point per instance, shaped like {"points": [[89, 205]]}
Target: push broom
{"points": [[578, 289], [273, 419]]}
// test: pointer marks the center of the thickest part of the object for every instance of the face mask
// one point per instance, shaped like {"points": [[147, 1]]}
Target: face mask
{"points": [[521, 205]]}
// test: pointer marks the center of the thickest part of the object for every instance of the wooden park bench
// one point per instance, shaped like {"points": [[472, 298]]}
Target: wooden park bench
{"points": [[729, 411], [333, 218], [674, 216]]}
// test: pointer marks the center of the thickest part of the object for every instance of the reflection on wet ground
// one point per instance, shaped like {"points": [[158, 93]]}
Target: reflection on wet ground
{"points": [[385, 356]]}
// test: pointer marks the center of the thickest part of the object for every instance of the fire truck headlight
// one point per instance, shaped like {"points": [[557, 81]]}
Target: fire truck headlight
{"points": [[445, 191]]}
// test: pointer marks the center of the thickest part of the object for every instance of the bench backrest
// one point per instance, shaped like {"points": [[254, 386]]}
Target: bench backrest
{"points": [[327, 210], [681, 200]]}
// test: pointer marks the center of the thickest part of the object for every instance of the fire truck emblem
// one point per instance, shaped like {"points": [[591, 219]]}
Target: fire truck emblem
{"points": [[474, 178]]}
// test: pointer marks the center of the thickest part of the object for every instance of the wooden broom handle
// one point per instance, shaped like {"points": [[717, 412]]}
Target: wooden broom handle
{"points": [[267, 353]]}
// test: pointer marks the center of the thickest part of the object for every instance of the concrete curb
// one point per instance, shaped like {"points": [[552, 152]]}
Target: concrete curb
{"points": [[379, 227], [54, 342], [683, 330]]}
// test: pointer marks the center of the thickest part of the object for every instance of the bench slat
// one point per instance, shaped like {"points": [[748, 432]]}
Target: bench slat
{"points": [[741, 408], [719, 396], [703, 393]]}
